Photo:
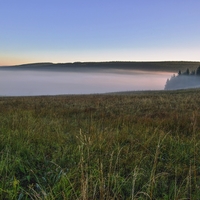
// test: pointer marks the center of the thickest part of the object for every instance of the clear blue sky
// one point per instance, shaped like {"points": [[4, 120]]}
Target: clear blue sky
{"points": [[98, 30]]}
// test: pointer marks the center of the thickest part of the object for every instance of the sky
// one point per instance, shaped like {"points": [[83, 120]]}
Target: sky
{"points": [[92, 30]]}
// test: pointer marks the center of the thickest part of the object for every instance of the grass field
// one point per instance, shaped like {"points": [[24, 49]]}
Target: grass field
{"points": [[142, 145]]}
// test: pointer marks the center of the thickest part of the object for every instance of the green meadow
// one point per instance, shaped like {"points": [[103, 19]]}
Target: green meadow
{"points": [[140, 145]]}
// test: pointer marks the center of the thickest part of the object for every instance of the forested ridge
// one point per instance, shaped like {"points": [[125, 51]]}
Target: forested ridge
{"points": [[166, 66]]}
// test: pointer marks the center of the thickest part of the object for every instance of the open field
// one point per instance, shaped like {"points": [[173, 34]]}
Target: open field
{"points": [[142, 145]]}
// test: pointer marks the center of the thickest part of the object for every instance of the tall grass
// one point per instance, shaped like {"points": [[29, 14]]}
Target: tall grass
{"points": [[134, 146]]}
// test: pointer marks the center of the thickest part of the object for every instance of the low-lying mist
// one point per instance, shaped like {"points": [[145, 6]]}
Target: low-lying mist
{"points": [[32, 82]]}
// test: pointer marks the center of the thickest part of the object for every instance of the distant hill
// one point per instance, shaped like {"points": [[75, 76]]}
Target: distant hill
{"points": [[165, 66]]}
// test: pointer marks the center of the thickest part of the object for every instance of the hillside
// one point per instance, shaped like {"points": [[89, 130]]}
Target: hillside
{"points": [[144, 145], [168, 66]]}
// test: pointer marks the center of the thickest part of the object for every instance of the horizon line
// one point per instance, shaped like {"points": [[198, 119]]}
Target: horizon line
{"points": [[76, 62]]}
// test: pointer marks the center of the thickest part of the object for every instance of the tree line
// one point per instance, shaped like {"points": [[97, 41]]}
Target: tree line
{"points": [[186, 79]]}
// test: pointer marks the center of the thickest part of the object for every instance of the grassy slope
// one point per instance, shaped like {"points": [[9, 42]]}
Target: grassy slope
{"points": [[137, 146], [173, 66]]}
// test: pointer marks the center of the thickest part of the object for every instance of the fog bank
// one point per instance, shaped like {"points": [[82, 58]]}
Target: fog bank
{"points": [[33, 82]]}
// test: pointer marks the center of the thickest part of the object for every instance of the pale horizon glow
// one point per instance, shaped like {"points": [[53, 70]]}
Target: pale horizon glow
{"points": [[90, 31]]}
